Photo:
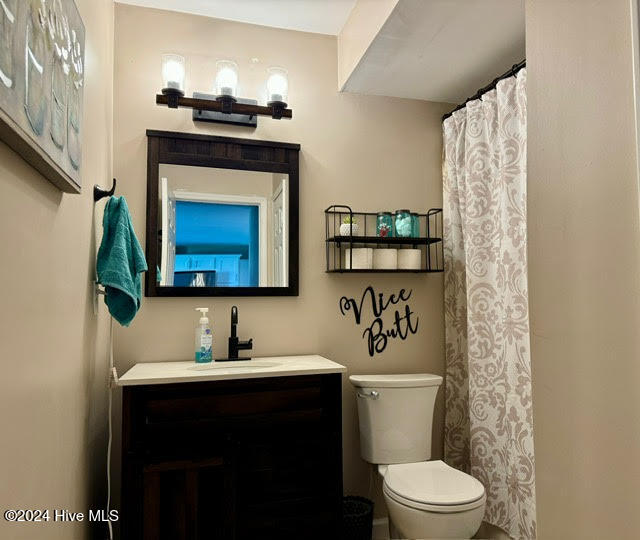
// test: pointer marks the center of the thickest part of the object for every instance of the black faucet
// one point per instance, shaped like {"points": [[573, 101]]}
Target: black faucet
{"points": [[235, 344]]}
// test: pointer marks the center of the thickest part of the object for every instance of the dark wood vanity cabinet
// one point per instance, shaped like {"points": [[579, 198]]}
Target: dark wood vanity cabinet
{"points": [[238, 459]]}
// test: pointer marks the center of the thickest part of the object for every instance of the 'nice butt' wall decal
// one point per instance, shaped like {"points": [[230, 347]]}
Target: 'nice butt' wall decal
{"points": [[376, 334]]}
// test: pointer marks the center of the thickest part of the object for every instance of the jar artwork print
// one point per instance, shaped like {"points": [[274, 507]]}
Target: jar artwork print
{"points": [[75, 96], [59, 32], [7, 38], [35, 102]]}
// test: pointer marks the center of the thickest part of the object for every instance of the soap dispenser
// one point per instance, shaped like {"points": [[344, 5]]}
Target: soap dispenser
{"points": [[204, 338]]}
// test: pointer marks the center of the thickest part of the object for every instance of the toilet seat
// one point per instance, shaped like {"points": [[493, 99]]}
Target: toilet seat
{"points": [[433, 486]]}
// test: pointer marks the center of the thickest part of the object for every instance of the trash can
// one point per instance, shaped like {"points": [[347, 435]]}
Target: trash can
{"points": [[357, 518]]}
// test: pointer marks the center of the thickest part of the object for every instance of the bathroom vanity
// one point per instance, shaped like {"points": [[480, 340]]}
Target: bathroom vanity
{"points": [[232, 451]]}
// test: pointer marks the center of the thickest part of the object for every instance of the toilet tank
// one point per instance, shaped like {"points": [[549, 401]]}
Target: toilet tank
{"points": [[395, 413]]}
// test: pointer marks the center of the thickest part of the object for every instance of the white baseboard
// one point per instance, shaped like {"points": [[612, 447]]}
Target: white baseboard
{"points": [[380, 529]]}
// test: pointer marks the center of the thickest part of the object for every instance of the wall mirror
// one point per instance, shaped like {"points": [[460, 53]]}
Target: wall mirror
{"points": [[222, 216]]}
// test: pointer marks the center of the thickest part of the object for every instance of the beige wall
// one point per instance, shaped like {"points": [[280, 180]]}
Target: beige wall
{"points": [[365, 21], [54, 363], [370, 152], [584, 268]]}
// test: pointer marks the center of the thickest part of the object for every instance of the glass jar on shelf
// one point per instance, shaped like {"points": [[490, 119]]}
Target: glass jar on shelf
{"points": [[403, 223], [36, 58], [415, 225], [384, 225]]}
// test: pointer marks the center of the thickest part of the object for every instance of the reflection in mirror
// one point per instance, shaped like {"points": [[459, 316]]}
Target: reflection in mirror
{"points": [[222, 227]]}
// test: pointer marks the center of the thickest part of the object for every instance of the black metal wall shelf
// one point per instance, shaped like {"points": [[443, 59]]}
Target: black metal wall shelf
{"points": [[371, 271], [384, 241], [429, 243]]}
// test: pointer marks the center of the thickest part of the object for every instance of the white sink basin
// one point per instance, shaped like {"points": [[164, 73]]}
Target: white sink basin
{"points": [[241, 364]]}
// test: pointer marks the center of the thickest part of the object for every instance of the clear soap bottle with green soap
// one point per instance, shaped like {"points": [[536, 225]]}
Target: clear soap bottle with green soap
{"points": [[204, 338]]}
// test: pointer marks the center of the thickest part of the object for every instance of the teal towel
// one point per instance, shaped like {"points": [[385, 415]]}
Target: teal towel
{"points": [[120, 262]]}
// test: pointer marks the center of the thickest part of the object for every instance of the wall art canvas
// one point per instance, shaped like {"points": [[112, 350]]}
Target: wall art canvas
{"points": [[41, 86]]}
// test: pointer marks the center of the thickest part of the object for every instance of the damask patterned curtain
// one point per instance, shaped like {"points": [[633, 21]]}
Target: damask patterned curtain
{"points": [[489, 421]]}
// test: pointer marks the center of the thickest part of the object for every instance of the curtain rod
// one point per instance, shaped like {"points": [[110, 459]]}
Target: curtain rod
{"points": [[514, 69]]}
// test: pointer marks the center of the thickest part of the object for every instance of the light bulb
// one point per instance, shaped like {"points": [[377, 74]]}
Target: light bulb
{"points": [[226, 78], [173, 72], [277, 84]]}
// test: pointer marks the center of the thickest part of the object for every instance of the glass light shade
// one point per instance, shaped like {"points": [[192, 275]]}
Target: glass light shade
{"points": [[173, 72], [277, 84], [226, 78]]}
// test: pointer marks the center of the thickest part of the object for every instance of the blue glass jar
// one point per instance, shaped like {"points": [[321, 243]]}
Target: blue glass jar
{"points": [[415, 225], [403, 223], [384, 225]]}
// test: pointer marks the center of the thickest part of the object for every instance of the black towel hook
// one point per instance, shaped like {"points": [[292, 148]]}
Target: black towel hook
{"points": [[99, 193]]}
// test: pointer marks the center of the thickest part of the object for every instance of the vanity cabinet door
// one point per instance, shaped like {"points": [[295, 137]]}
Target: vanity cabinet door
{"points": [[288, 489], [293, 467], [233, 460], [178, 499], [187, 500]]}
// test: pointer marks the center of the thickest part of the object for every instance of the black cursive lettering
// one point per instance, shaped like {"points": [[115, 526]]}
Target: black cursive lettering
{"points": [[376, 335]]}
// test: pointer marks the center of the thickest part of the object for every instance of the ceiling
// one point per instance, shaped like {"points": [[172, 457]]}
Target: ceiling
{"points": [[441, 50], [319, 16], [435, 50]]}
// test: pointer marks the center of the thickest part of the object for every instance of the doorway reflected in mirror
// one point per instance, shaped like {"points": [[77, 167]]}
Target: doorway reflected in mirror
{"points": [[222, 227]]}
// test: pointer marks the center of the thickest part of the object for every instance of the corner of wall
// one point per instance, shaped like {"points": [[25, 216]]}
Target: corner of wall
{"points": [[363, 25]]}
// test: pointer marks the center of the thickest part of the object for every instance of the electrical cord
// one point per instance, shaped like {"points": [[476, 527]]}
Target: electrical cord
{"points": [[112, 375], [110, 401]]}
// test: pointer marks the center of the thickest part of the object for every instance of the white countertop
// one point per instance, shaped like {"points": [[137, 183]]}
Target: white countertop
{"points": [[277, 366]]}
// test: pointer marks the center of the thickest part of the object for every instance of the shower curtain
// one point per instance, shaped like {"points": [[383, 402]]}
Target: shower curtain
{"points": [[489, 421]]}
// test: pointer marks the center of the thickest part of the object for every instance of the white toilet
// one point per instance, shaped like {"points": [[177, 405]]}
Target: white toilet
{"points": [[425, 499]]}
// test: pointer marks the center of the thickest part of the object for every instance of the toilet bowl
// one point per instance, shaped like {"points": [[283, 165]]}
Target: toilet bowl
{"points": [[425, 498], [429, 499]]}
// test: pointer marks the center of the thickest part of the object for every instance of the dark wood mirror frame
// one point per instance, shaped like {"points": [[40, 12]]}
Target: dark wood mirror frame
{"points": [[195, 150]]}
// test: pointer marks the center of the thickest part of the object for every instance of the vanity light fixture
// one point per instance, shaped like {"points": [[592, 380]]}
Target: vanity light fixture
{"points": [[224, 106], [226, 79], [277, 88], [173, 78]]}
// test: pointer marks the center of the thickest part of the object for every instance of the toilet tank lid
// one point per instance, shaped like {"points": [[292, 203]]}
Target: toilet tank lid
{"points": [[409, 380]]}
